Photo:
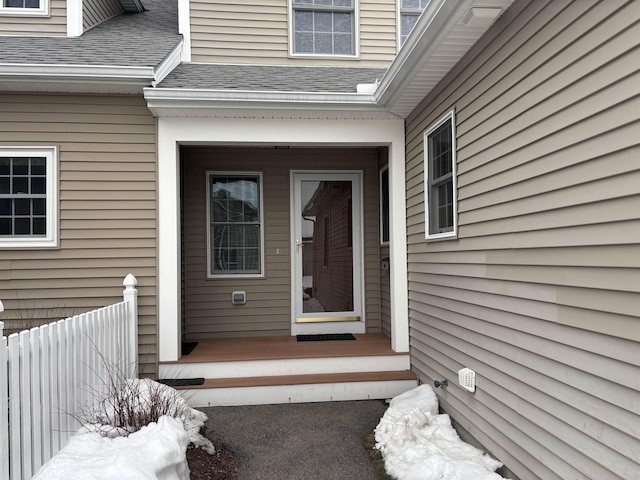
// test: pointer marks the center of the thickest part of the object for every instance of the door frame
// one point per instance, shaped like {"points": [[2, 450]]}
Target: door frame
{"points": [[347, 321]]}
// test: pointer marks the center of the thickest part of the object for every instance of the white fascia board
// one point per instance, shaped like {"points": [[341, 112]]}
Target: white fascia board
{"points": [[431, 28], [75, 72], [194, 98]]}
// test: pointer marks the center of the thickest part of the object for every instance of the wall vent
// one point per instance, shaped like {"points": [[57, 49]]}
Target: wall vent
{"points": [[239, 298]]}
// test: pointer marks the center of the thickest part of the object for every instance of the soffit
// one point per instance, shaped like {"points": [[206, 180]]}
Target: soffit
{"points": [[442, 36]]}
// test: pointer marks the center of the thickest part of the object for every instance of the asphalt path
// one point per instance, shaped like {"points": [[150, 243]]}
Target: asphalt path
{"points": [[304, 441]]}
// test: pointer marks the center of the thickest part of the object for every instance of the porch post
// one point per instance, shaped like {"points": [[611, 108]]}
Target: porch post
{"points": [[398, 246], [169, 335]]}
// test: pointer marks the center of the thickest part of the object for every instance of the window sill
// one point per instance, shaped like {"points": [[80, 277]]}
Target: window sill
{"points": [[441, 236]]}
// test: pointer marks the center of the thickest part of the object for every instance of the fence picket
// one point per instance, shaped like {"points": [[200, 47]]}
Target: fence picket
{"points": [[35, 382], [14, 406], [45, 355]]}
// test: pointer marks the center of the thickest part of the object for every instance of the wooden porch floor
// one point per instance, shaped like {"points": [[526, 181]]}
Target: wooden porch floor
{"points": [[279, 348]]}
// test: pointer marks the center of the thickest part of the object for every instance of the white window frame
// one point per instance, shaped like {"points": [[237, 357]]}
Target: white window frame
{"points": [[43, 11], [403, 12], [383, 240], [210, 273], [50, 239], [453, 233], [356, 32]]}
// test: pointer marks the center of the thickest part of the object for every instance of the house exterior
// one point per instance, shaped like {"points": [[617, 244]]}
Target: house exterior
{"points": [[464, 173]]}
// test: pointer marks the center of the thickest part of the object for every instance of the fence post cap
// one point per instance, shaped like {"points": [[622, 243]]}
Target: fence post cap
{"points": [[1, 307], [130, 280]]}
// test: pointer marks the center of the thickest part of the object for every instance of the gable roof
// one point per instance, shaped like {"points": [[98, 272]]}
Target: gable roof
{"points": [[122, 54]]}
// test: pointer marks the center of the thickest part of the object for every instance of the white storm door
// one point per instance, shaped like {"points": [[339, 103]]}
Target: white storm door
{"points": [[327, 273]]}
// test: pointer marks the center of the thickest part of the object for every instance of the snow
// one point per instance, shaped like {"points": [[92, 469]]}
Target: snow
{"points": [[99, 451], [417, 443]]}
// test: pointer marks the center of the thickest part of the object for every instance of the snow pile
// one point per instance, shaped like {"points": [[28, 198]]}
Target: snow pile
{"points": [[417, 443], [156, 451], [140, 430]]}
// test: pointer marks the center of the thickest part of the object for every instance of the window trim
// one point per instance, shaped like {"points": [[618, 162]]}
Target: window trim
{"points": [[251, 174], [356, 32], [406, 11], [384, 241], [43, 11], [50, 240], [453, 233]]}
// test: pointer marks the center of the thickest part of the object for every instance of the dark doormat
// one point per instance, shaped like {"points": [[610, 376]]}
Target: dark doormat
{"points": [[181, 382], [325, 336], [187, 347]]}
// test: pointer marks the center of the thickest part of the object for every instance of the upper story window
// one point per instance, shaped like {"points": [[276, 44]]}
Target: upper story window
{"points": [[235, 230], [410, 11], [24, 7], [28, 197], [323, 27], [440, 179]]}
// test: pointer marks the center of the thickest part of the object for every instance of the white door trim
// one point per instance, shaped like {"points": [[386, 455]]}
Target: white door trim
{"points": [[343, 326]]}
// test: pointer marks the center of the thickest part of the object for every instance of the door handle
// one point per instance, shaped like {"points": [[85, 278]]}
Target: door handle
{"points": [[299, 245]]}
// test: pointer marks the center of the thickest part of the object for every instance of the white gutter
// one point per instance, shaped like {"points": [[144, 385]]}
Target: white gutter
{"points": [[196, 98], [113, 75], [431, 28]]}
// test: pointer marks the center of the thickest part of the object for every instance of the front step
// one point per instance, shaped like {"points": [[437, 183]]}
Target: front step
{"points": [[325, 387]]}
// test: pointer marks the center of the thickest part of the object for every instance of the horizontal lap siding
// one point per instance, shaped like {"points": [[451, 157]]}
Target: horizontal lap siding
{"points": [[539, 293], [107, 179], [94, 12], [53, 25], [208, 309], [250, 31]]}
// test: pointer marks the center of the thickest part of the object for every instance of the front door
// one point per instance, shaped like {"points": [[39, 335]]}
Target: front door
{"points": [[327, 268]]}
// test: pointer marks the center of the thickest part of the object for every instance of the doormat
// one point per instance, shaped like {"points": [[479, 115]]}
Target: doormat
{"points": [[325, 336], [187, 347], [181, 382]]}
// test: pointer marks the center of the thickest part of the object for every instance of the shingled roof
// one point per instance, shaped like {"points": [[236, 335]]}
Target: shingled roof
{"points": [[131, 39], [269, 78]]}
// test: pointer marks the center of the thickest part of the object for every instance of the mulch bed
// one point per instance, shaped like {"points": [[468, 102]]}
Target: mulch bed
{"points": [[222, 465]]}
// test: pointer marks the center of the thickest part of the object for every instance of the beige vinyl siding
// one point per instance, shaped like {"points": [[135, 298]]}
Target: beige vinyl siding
{"points": [[250, 31], [209, 312], [539, 293], [385, 275], [94, 12], [53, 25], [107, 209]]}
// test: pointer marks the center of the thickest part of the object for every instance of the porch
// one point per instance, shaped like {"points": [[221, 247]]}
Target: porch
{"points": [[266, 370]]}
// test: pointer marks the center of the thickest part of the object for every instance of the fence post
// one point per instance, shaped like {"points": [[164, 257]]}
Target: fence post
{"points": [[1, 323], [130, 295]]}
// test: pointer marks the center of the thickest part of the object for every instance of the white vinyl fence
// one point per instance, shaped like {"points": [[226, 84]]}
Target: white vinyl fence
{"points": [[49, 373]]}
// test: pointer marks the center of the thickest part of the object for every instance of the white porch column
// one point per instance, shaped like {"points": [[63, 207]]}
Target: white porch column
{"points": [[398, 248], [169, 321]]}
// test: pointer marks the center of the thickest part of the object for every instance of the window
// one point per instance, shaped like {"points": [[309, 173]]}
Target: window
{"points": [[235, 232], [323, 27], [410, 11], [24, 7], [440, 179], [384, 206], [28, 197]]}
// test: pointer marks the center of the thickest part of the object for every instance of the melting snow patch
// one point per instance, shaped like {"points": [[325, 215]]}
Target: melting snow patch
{"points": [[417, 443]]}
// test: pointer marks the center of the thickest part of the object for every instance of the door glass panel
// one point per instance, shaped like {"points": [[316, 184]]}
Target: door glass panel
{"points": [[327, 246]]}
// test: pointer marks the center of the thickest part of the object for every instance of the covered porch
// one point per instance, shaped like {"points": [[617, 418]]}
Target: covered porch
{"points": [[257, 366]]}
